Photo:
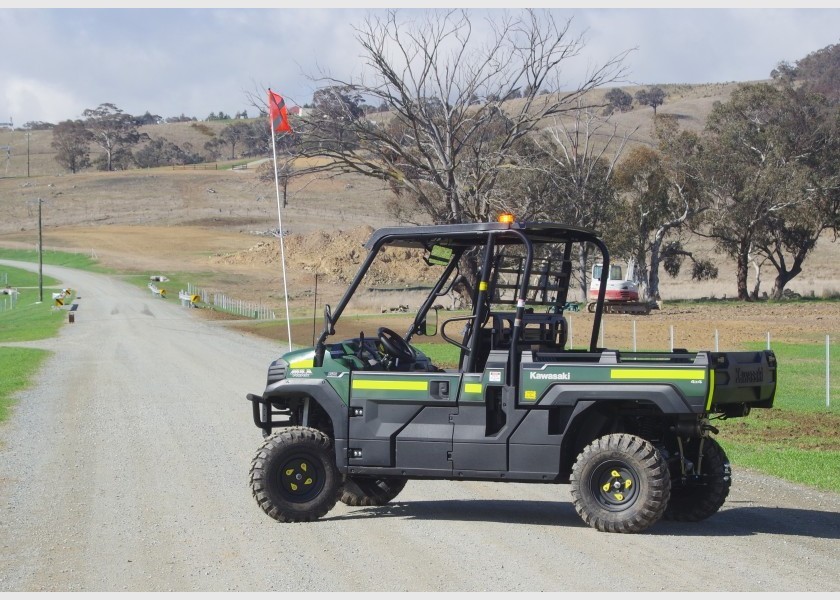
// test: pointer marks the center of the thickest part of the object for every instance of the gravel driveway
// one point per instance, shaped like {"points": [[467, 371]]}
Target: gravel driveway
{"points": [[126, 468]]}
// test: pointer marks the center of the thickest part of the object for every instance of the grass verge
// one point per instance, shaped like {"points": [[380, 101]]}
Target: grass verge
{"points": [[798, 439], [795, 445], [18, 366], [56, 258], [29, 319]]}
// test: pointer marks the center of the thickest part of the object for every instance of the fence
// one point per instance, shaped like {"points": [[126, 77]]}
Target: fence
{"points": [[197, 167], [8, 301], [224, 303], [8, 296]]}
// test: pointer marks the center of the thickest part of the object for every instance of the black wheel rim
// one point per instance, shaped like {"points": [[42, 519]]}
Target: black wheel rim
{"points": [[301, 478], [614, 485]]}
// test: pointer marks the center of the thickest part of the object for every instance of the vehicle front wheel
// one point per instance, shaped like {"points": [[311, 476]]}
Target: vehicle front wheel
{"points": [[620, 484], [698, 495], [371, 491], [294, 477]]}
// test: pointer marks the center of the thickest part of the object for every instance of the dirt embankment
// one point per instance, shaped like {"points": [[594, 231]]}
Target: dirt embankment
{"points": [[336, 256]]}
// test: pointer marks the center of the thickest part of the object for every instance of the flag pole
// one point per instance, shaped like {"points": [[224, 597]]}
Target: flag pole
{"points": [[280, 224]]}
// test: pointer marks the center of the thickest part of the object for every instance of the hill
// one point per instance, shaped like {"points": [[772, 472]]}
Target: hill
{"points": [[185, 219]]}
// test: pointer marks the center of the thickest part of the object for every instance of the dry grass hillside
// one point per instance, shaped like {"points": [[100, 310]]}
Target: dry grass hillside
{"points": [[208, 221]]}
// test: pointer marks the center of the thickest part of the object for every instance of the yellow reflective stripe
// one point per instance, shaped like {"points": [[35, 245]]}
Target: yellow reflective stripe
{"points": [[472, 388], [391, 384], [711, 389], [657, 373], [482, 286], [307, 363]]}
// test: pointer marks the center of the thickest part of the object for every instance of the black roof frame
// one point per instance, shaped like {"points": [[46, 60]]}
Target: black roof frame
{"points": [[462, 236]]}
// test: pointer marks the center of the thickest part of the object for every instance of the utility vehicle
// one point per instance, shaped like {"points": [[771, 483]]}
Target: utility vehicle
{"points": [[354, 419]]}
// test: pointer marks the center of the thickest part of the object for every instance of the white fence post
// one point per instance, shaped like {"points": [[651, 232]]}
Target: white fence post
{"points": [[571, 334]]}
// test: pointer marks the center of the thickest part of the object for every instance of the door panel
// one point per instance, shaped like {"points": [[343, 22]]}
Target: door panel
{"points": [[389, 409]]}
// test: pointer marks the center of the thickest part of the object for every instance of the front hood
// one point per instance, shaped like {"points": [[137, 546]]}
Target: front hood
{"points": [[300, 359]]}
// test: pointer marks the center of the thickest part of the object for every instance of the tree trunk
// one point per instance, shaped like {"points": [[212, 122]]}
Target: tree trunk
{"points": [[742, 270], [757, 286], [655, 254], [583, 255], [784, 276]]}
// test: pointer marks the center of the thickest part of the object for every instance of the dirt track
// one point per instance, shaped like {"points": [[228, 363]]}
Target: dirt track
{"points": [[126, 467]]}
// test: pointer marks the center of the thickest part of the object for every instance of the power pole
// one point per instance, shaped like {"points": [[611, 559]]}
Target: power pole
{"points": [[28, 135], [40, 255]]}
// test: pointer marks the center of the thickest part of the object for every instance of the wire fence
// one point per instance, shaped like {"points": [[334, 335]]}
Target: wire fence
{"points": [[224, 303], [8, 301]]}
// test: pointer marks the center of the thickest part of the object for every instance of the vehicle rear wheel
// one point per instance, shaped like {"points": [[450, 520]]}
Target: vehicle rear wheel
{"points": [[371, 491], [294, 477], [698, 496], [620, 484]]}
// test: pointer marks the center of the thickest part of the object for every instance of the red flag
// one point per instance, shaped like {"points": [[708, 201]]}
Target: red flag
{"points": [[277, 114]]}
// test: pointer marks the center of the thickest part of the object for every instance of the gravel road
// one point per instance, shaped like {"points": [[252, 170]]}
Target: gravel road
{"points": [[125, 468]]}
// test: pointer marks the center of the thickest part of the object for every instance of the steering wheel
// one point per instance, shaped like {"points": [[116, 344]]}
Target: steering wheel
{"points": [[395, 346]]}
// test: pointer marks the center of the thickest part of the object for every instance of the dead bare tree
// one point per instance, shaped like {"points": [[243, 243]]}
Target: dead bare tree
{"points": [[458, 103]]}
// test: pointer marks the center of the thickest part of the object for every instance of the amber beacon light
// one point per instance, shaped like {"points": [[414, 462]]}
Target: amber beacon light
{"points": [[506, 217]]}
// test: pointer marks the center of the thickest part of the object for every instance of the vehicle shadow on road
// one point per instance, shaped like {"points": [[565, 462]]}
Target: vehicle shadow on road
{"points": [[753, 520], [737, 522], [523, 512]]}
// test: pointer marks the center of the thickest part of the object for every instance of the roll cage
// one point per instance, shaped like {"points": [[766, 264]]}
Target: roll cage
{"points": [[509, 266]]}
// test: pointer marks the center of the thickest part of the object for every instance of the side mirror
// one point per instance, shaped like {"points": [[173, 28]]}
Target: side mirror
{"points": [[429, 326]]}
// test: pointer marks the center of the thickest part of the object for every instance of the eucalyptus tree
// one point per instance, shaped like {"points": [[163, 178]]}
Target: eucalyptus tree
{"points": [[115, 132], [770, 170]]}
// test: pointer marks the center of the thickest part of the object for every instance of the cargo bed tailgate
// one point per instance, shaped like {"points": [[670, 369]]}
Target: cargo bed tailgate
{"points": [[743, 380]]}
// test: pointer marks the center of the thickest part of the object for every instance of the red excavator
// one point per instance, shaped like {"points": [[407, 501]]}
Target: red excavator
{"points": [[622, 295]]}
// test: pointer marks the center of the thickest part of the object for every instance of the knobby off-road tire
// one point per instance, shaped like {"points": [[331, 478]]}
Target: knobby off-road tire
{"points": [[620, 484], [294, 477], [370, 491], [697, 499]]}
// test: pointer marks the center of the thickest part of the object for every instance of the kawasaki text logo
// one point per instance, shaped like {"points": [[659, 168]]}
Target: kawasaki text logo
{"points": [[551, 376]]}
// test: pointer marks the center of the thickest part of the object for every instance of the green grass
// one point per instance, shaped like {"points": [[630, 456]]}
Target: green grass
{"points": [[443, 355], [19, 278], [28, 320], [799, 439], [18, 366], [816, 468], [801, 376], [54, 257]]}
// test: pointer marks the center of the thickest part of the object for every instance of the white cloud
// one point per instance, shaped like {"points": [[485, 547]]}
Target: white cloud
{"points": [[33, 97], [202, 60]]}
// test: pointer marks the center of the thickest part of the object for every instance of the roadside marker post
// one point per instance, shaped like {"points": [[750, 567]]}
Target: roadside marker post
{"points": [[159, 292]]}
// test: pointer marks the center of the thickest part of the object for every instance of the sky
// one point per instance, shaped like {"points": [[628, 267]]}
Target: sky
{"points": [[196, 59]]}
